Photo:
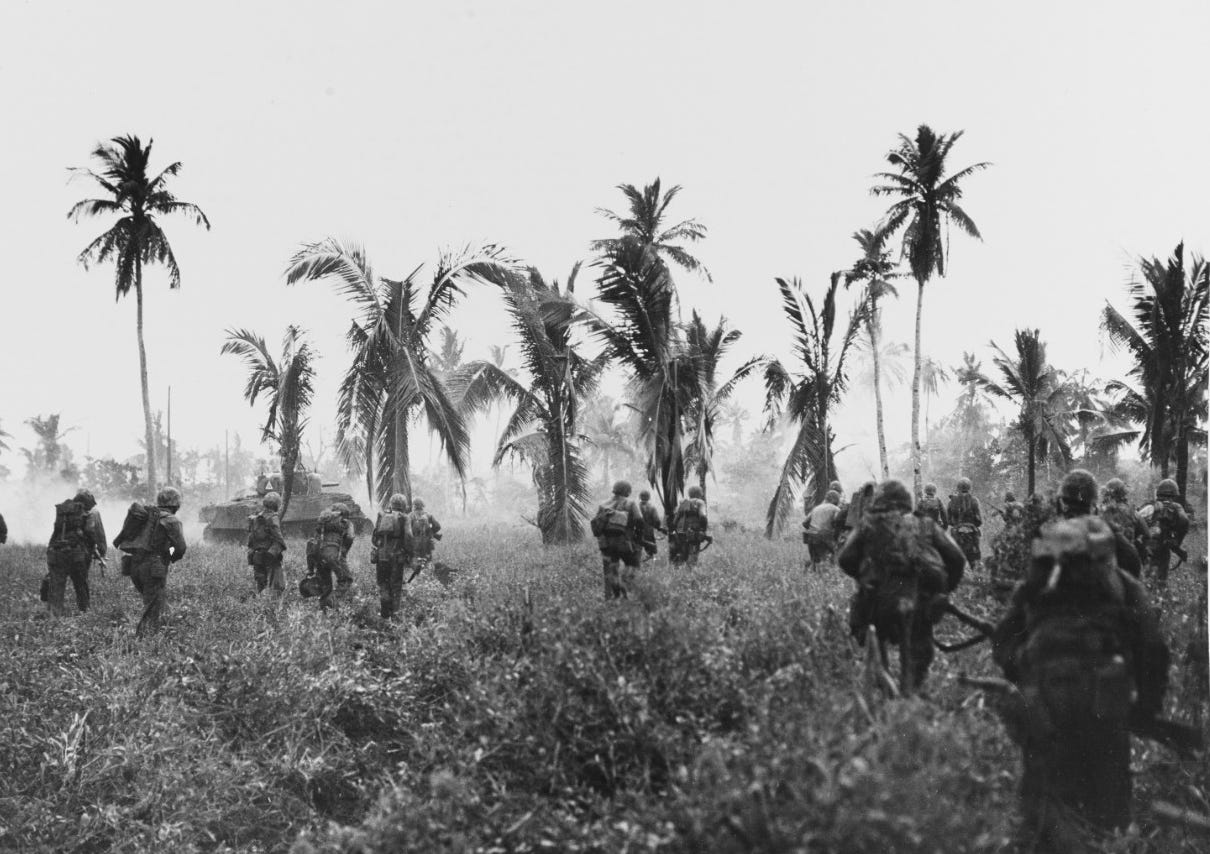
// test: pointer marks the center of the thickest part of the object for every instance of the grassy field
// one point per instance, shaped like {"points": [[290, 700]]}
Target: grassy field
{"points": [[721, 709]]}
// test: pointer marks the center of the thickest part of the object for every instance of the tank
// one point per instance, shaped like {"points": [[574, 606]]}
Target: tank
{"points": [[228, 522]]}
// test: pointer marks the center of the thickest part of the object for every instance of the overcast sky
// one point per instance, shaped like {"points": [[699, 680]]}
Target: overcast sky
{"points": [[408, 127]]}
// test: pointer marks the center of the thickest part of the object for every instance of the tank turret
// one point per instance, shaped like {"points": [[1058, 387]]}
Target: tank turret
{"points": [[228, 520]]}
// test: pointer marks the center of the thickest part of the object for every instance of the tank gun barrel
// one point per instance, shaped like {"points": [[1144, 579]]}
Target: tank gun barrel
{"points": [[328, 483]]}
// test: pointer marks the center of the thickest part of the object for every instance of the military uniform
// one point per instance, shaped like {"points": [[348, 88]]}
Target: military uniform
{"points": [[1082, 643], [966, 522], [77, 536], [652, 522], [819, 532], [424, 530], [618, 527], [1167, 524], [391, 542], [849, 518], [161, 543], [690, 523], [266, 549], [930, 507], [333, 539]]}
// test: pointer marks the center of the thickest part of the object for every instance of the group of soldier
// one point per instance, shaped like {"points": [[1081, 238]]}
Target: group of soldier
{"points": [[1079, 643]]}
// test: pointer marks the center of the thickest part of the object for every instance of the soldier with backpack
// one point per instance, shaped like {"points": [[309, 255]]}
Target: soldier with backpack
{"points": [[966, 521], [618, 527], [1082, 645], [1078, 497], [690, 523], [390, 552], [344, 576], [1116, 510], [819, 531], [652, 522], [930, 505], [333, 538], [266, 546], [423, 532], [77, 538], [152, 539], [1167, 524]]}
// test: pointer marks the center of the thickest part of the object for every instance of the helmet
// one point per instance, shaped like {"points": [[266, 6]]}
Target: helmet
{"points": [[930, 489], [169, 496], [891, 495], [1167, 489], [964, 484], [309, 586], [342, 509], [272, 501], [398, 501], [1008, 495], [1078, 491], [695, 492], [835, 487], [621, 488], [645, 495], [833, 497], [1064, 544], [417, 503], [1116, 489], [85, 497]]}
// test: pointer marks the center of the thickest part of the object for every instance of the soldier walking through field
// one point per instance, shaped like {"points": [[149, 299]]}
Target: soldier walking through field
{"points": [[77, 539], [966, 521], [333, 538], [344, 576], [618, 527], [652, 522], [1167, 524], [423, 533], [819, 531], [391, 554], [1116, 510], [1077, 498], [930, 506], [152, 539], [267, 546], [690, 523]]}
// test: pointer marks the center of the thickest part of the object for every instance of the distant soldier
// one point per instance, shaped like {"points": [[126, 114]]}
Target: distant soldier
{"points": [[690, 524], [267, 546], [930, 506], [652, 522], [904, 566], [77, 539], [1167, 524], [391, 553], [966, 521], [153, 539], [1013, 510], [618, 527], [1078, 497], [3, 530], [849, 518], [1116, 510], [262, 484], [424, 532], [332, 540], [1082, 644], [819, 530], [344, 577]]}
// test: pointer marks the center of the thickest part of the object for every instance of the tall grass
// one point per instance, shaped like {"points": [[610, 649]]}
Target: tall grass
{"points": [[719, 709]]}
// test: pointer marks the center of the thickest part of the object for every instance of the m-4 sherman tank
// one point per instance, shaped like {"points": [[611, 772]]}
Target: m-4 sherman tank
{"points": [[228, 522]]}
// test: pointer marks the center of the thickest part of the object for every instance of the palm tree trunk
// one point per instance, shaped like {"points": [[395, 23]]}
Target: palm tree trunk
{"points": [[916, 371], [1029, 461], [148, 431], [872, 328], [402, 479], [1182, 459]]}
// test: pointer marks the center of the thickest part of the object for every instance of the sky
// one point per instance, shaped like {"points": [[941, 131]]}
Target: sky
{"points": [[408, 127]]}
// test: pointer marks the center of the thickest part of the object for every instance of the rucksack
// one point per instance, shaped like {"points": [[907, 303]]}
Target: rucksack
{"points": [[389, 526], [330, 528], [1163, 522], [691, 518], [963, 512], [140, 529], [258, 532], [420, 527], [70, 517]]}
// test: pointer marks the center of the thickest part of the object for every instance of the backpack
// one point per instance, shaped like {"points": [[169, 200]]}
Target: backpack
{"points": [[140, 529], [420, 529], [1163, 524], [329, 528], [898, 547], [691, 517], [70, 517], [611, 525], [258, 532], [1120, 517]]}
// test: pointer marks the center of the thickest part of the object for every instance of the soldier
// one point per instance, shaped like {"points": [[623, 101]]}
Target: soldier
{"points": [[77, 539], [333, 539], [1167, 524], [819, 531], [266, 546], [153, 544], [930, 506], [849, 518], [618, 527], [1082, 645], [1078, 497], [904, 566], [424, 530], [966, 520], [1116, 510], [344, 577], [652, 522], [1012, 512], [391, 553], [690, 523]]}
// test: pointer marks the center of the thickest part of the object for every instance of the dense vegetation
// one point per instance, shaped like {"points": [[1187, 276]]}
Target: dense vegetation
{"points": [[723, 709]]}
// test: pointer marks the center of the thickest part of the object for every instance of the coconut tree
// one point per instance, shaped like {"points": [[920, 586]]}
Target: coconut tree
{"points": [[932, 375], [645, 224], [543, 430], [287, 385], [1038, 389], [927, 197], [705, 348], [874, 270], [610, 438], [391, 380], [807, 396], [136, 239], [968, 415], [1167, 342]]}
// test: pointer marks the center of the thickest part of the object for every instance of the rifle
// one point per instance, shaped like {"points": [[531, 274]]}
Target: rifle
{"points": [[1181, 738], [96, 558], [984, 628]]}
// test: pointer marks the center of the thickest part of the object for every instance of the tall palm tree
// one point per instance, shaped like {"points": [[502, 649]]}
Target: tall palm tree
{"points": [[969, 412], [1037, 388], [391, 379], [288, 385], [927, 201], [644, 223], [447, 356], [807, 396], [136, 238], [543, 429], [705, 348], [609, 437], [874, 269], [50, 450], [1168, 344]]}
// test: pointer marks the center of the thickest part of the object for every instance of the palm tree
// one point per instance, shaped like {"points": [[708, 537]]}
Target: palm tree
{"points": [[644, 224], [705, 348], [927, 202], [391, 380], [734, 414], [288, 385], [1038, 389], [933, 374], [543, 428], [136, 238], [447, 357], [969, 412], [609, 438], [807, 397], [50, 450], [874, 269], [4, 435], [1167, 342]]}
